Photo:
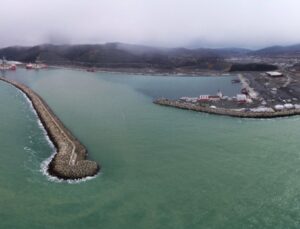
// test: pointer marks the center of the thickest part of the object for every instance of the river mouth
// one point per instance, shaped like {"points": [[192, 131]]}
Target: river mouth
{"points": [[186, 169]]}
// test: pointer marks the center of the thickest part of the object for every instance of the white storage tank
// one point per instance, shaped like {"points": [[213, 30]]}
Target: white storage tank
{"points": [[288, 106], [279, 107]]}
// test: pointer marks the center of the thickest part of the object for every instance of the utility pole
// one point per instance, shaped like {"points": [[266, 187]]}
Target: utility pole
{"points": [[3, 67]]}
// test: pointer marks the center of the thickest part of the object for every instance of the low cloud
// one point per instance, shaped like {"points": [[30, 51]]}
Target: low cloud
{"points": [[190, 23]]}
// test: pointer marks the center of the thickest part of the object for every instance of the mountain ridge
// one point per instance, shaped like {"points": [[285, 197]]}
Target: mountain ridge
{"points": [[117, 54]]}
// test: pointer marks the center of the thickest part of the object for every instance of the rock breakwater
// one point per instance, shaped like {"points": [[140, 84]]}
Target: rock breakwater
{"points": [[70, 160]]}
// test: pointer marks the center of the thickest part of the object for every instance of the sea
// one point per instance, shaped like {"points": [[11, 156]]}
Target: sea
{"points": [[162, 168]]}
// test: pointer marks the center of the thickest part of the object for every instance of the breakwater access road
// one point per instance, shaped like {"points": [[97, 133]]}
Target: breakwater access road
{"points": [[70, 160]]}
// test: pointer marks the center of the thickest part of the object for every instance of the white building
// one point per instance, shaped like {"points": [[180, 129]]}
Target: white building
{"points": [[274, 74], [203, 98], [241, 98]]}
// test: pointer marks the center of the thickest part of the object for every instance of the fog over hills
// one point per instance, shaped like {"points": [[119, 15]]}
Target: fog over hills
{"points": [[117, 55]]}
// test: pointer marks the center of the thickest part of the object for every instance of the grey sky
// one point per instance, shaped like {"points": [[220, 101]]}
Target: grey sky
{"points": [[198, 23]]}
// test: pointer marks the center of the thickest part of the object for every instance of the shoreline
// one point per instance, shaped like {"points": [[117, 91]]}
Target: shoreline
{"points": [[149, 71], [69, 162], [225, 111]]}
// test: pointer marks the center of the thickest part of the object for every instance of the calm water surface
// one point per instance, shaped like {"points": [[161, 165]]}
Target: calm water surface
{"points": [[162, 167]]}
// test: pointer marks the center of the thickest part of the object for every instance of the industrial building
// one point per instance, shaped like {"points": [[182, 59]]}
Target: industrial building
{"points": [[274, 74]]}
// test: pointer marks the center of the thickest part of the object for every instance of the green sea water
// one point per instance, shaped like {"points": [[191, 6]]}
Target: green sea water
{"points": [[161, 167]]}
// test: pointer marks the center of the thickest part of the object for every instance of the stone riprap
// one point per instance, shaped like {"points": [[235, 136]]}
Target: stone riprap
{"points": [[70, 160]]}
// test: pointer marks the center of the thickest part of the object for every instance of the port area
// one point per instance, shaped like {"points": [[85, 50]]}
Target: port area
{"points": [[70, 161], [263, 95]]}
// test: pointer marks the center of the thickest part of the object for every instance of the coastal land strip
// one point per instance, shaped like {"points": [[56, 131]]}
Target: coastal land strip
{"points": [[70, 161], [261, 96], [225, 111]]}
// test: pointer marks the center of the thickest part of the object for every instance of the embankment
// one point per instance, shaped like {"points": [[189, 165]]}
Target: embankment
{"points": [[225, 111], [70, 160]]}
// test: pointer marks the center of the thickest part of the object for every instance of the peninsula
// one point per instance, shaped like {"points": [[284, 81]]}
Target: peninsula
{"points": [[70, 160]]}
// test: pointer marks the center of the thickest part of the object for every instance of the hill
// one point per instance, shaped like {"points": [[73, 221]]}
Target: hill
{"points": [[293, 50], [122, 55]]}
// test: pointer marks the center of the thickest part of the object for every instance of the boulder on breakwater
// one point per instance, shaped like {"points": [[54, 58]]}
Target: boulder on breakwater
{"points": [[70, 160]]}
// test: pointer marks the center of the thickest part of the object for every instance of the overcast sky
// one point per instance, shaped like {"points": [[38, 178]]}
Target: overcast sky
{"points": [[189, 23]]}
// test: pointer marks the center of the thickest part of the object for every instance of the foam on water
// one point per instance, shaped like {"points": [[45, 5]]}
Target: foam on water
{"points": [[44, 170]]}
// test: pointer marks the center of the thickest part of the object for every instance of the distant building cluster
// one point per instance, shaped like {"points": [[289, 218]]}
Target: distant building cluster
{"points": [[274, 74], [240, 98]]}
